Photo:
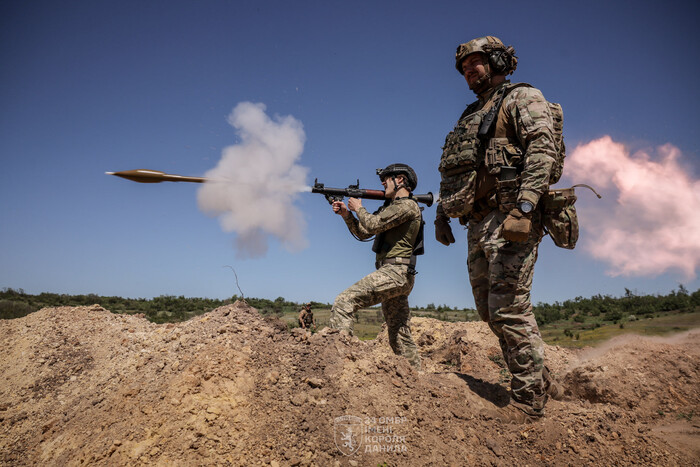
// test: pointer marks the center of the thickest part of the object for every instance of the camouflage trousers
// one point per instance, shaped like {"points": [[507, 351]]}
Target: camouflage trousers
{"points": [[389, 285], [501, 273]]}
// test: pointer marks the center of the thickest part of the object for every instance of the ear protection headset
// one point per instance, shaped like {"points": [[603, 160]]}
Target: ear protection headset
{"points": [[501, 60]]}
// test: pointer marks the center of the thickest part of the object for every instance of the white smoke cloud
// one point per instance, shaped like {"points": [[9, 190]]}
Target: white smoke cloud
{"points": [[654, 225], [256, 182]]}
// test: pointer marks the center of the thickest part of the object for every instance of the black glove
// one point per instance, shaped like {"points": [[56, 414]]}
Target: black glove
{"points": [[443, 231]]}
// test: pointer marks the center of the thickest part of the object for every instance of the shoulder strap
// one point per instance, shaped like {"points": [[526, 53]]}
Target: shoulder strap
{"points": [[490, 117]]}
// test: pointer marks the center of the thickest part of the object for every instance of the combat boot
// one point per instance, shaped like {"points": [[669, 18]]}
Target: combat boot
{"points": [[515, 412], [551, 387]]}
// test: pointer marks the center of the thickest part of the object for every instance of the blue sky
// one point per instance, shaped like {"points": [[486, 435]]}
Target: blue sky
{"points": [[95, 86]]}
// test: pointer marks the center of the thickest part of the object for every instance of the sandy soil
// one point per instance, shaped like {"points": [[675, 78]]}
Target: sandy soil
{"points": [[85, 386]]}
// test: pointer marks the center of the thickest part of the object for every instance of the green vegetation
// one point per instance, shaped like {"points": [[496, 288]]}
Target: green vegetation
{"points": [[607, 308], [588, 321], [569, 334], [573, 323]]}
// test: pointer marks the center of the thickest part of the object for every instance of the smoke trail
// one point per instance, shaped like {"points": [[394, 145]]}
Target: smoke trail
{"points": [[257, 181], [654, 226]]}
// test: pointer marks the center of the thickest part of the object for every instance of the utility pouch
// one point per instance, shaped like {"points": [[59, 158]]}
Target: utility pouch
{"points": [[457, 193], [494, 155], [500, 153], [507, 188], [559, 217]]}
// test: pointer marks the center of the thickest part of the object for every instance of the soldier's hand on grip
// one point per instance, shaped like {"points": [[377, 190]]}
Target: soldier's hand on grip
{"points": [[443, 231], [516, 227], [340, 208], [354, 204]]}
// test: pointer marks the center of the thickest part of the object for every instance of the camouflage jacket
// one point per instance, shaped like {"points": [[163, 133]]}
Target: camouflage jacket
{"points": [[525, 119], [398, 224]]}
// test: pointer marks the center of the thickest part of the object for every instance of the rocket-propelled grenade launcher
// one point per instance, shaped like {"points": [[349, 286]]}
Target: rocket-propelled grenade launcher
{"points": [[155, 176], [354, 191], [331, 194]]}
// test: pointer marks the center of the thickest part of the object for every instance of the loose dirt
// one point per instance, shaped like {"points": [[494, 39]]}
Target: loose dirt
{"points": [[85, 386]]}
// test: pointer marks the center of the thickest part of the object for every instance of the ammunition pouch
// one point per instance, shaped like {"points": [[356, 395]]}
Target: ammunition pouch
{"points": [[559, 217], [459, 151], [462, 144], [457, 193], [502, 158], [507, 194], [458, 165], [502, 153]]}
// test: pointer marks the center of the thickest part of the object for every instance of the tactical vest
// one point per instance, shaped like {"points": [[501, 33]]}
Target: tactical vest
{"points": [[477, 144], [405, 240]]}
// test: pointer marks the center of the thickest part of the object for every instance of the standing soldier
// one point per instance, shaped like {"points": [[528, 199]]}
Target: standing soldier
{"points": [[398, 229], [496, 164], [306, 317]]}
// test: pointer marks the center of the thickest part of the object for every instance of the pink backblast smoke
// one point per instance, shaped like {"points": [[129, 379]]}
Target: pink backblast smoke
{"points": [[650, 221]]}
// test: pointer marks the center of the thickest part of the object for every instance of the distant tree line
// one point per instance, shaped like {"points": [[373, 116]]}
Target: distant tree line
{"points": [[607, 308], [439, 308], [166, 308], [169, 308]]}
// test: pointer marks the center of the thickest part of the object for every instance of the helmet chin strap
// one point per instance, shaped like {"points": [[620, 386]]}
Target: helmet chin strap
{"points": [[486, 79], [482, 80], [397, 186]]}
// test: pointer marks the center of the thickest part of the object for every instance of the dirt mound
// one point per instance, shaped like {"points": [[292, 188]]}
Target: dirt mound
{"points": [[83, 385]]}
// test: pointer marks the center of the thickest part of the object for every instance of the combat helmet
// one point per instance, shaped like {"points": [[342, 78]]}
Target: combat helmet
{"points": [[501, 59], [400, 169]]}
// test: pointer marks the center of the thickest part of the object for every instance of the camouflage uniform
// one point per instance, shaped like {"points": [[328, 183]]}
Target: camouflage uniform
{"points": [[501, 271], [306, 318], [398, 224]]}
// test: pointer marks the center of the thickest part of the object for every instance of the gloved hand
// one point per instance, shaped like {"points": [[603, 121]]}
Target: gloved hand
{"points": [[516, 227], [443, 231]]}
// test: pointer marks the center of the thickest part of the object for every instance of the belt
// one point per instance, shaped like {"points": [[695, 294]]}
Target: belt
{"points": [[410, 262]]}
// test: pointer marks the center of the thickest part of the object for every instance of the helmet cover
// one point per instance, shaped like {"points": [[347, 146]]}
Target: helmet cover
{"points": [[502, 59], [400, 169]]}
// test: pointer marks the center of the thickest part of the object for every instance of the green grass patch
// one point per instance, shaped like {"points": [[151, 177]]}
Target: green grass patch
{"points": [[587, 334]]}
